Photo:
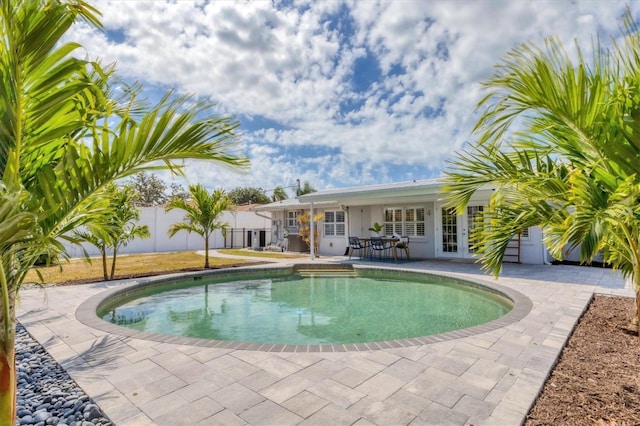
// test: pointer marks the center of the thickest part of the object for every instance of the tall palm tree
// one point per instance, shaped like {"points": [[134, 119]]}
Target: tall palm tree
{"points": [[64, 136], [559, 140], [202, 214], [279, 194]]}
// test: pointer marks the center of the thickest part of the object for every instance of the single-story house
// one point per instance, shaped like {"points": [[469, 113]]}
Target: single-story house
{"points": [[415, 209]]}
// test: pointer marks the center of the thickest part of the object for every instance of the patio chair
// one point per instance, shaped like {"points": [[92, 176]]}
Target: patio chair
{"points": [[379, 246], [356, 244], [403, 244]]}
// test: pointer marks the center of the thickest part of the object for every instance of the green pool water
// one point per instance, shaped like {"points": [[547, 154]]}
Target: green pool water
{"points": [[307, 310]]}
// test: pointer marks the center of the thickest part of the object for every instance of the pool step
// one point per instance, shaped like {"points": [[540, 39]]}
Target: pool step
{"points": [[331, 272]]}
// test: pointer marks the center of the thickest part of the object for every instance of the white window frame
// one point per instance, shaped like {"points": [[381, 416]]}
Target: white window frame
{"points": [[292, 219], [334, 223], [399, 223]]}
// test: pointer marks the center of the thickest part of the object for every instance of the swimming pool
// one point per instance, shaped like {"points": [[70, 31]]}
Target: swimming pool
{"points": [[276, 308]]}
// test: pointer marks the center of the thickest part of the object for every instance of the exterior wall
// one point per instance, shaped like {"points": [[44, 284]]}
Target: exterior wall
{"points": [[360, 218], [532, 250], [159, 222]]}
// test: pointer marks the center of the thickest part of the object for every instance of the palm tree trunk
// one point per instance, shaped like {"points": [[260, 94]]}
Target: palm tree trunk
{"points": [[8, 382], [103, 252], [635, 279], [638, 314], [113, 263], [206, 252]]}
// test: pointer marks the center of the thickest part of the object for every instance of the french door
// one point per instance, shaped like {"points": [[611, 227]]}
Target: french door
{"points": [[454, 232]]}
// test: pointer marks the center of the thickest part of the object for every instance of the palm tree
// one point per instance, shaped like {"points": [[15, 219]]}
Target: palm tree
{"points": [[64, 136], [124, 222], [202, 214], [279, 194], [559, 140], [306, 189], [116, 228]]}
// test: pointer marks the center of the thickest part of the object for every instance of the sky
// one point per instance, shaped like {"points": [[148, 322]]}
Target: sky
{"points": [[334, 93]]}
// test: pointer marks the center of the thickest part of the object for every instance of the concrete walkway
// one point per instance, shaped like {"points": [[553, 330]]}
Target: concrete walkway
{"points": [[491, 378]]}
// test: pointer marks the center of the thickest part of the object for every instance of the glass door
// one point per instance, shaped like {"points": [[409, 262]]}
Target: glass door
{"points": [[450, 230], [454, 232], [474, 213]]}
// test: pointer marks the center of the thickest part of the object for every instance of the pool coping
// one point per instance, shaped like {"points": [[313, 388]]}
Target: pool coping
{"points": [[86, 313]]}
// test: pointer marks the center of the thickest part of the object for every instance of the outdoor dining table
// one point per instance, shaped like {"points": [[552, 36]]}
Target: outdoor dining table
{"points": [[393, 241]]}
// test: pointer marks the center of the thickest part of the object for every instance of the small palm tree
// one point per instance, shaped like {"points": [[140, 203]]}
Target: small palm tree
{"points": [[116, 228], [202, 214], [560, 142]]}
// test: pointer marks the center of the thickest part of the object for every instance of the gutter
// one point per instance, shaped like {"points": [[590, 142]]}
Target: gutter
{"points": [[263, 216]]}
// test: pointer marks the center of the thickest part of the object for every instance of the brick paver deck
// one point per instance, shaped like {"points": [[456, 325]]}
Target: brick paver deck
{"points": [[488, 378]]}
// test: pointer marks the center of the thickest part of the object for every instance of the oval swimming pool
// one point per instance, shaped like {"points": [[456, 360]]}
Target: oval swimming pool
{"points": [[317, 308]]}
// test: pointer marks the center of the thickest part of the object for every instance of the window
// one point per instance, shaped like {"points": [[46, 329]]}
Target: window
{"points": [[292, 219], [334, 224], [392, 221], [408, 221]]}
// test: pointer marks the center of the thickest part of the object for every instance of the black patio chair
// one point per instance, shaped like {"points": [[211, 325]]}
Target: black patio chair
{"points": [[378, 245], [356, 244]]}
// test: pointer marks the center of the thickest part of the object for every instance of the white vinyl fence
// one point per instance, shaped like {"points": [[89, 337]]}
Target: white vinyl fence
{"points": [[159, 222]]}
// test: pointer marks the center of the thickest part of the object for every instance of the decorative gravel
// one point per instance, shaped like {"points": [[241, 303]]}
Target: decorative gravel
{"points": [[47, 395]]}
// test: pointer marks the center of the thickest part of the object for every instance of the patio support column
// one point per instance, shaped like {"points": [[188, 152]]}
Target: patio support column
{"points": [[312, 229]]}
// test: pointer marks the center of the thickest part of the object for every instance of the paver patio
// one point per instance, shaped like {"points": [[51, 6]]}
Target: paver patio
{"points": [[491, 378]]}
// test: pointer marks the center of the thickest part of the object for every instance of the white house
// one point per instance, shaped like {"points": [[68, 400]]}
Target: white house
{"points": [[415, 209]]}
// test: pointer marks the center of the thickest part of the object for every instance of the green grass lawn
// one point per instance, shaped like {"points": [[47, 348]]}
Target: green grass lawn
{"points": [[127, 266]]}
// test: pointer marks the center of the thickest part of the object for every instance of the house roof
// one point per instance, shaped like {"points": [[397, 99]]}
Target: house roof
{"points": [[377, 190], [399, 192], [424, 190], [289, 204]]}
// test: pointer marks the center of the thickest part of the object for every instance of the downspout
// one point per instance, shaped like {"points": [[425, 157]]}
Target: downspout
{"points": [[312, 229], [345, 209]]}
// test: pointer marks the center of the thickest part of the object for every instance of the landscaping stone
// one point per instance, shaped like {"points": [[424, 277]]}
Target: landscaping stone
{"points": [[46, 393]]}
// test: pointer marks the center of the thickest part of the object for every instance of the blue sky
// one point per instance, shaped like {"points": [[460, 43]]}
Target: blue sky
{"points": [[335, 93]]}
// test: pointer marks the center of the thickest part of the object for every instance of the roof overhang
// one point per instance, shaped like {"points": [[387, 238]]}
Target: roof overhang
{"points": [[394, 193], [292, 204]]}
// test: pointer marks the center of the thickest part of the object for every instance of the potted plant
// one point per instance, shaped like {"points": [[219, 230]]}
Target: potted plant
{"points": [[376, 228]]}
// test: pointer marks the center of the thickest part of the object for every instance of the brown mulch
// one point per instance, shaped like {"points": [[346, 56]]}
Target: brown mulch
{"points": [[597, 378]]}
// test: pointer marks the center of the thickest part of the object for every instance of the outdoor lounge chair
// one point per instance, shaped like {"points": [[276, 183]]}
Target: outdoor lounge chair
{"points": [[356, 244]]}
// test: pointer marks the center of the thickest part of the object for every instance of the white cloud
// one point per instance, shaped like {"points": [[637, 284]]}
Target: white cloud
{"points": [[295, 65]]}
